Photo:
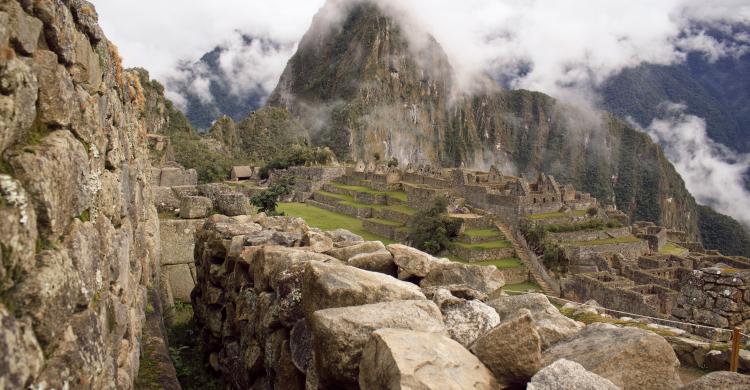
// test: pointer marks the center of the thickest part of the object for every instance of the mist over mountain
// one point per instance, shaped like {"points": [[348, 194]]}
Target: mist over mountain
{"points": [[233, 79]]}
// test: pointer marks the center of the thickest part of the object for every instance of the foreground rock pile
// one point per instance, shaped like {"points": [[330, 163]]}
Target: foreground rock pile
{"points": [[282, 305]]}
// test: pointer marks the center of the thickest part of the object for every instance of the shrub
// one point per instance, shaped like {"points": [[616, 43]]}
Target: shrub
{"points": [[267, 201], [431, 230], [393, 162], [592, 211]]}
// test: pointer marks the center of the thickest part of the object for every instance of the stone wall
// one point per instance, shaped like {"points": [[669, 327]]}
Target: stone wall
{"points": [[629, 250], [589, 235], [718, 297], [266, 288], [78, 229], [611, 295], [471, 254]]}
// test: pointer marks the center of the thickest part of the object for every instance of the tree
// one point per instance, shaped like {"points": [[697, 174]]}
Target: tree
{"points": [[393, 162], [267, 201], [431, 230]]}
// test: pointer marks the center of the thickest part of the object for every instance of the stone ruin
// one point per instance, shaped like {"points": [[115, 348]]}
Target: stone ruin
{"points": [[281, 304]]}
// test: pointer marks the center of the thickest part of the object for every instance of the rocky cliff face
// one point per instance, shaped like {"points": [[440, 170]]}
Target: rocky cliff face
{"points": [[78, 232]]}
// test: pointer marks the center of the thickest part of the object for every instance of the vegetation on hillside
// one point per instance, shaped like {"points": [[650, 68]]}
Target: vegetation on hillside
{"points": [[724, 233], [432, 230], [297, 155]]}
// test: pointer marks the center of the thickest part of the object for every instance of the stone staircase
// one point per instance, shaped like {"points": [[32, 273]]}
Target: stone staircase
{"points": [[523, 253]]}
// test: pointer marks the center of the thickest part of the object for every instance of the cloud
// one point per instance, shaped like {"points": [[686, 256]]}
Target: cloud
{"points": [[713, 173]]}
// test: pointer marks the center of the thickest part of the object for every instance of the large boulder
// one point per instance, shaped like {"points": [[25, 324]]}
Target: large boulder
{"points": [[552, 326], [340, 334], [468, 320], [380, 261], [343, 238], [413, 262], [723, 380], [512, 350], [332, 285], [568, 375], [631, 358], [348, 252], [486, 279], [317, 241], [397, 359]]}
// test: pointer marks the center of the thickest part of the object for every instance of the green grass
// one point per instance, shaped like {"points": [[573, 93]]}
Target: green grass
{"points": [[510, 262], [672, 249], [483, 233], [385, 222], [524, 286], [590, 318], [341, 197], [348, 200], [499, 244], [557, 214], [604, 241], [393, 194], [327, 220]]}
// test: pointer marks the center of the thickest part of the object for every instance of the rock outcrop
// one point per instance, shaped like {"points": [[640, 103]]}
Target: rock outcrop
{"points": [[568, 375], [78, 230], [631, 358]]}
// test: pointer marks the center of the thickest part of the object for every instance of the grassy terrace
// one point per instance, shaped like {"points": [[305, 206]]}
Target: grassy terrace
{"points": [[499, 244], [347, 200], [510, 262], [604, 241], [525, 286], [326, 220], [557, 214], [672, 249], [483, 233], [393, 194], [384, 222]]}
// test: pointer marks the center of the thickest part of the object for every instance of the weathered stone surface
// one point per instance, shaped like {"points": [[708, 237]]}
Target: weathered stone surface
{"points": [[173, 177], [21, 358], [165, 200], [468, 320], [724, 380], [58, 27], [380, 261], [50, 295], [318, 242], [348, 252], [407, 359], [485, 279], [564, 374], [343, 238], [64, 195], [56, 92], [85, 68], [193, 207], [180, 280], [340, 334], [552, 326], [18, 232], [178, 240], [412, 262], [18, 99], [631, 358], [512, 350], [233, 204], [23, 29], [283, 224], [330, 285], [272, 263]]}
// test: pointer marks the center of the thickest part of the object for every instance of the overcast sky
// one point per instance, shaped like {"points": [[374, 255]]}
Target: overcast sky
{"points": [[568, 46]]}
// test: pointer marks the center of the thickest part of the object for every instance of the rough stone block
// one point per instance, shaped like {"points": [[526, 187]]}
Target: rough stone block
{"points": [[180, 281], [172, 177], [165, 199], [232, 204], [193, 207], [178, 240]]}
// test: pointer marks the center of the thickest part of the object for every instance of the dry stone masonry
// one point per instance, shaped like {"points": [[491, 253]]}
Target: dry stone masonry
{"points": [[78, 231]]}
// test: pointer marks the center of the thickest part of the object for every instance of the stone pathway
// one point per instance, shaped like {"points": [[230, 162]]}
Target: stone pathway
{"points": [[523, 254]]}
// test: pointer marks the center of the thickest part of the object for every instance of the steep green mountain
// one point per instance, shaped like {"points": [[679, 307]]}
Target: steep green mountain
{"points": [[361, 87]]}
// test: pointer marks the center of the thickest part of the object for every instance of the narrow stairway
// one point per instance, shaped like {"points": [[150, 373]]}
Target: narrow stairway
{"points": [[523, 254]]}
